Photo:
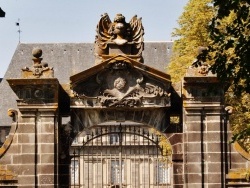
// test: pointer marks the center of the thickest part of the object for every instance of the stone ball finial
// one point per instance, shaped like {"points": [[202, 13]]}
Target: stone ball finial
{"points": [[37, 52]]}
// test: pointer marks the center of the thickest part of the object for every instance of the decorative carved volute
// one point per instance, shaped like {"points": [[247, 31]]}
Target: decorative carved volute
{"points": [[119, 37], [39, 69]]}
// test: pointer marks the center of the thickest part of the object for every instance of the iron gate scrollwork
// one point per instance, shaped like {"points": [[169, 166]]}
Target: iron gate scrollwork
{"points": [[110, 156]]}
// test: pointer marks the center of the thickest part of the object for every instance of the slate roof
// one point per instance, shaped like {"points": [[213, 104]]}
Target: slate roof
{"points": [[67, 59]]}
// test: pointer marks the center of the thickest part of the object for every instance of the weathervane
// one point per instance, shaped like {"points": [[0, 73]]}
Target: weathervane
{"points": [[19, 29]]}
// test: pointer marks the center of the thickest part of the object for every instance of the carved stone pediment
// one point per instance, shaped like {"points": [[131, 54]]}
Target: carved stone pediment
{"points": [[120, 82]]}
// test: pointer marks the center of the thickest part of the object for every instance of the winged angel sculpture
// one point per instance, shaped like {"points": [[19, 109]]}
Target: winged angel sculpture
{"points": [[120, 33]]}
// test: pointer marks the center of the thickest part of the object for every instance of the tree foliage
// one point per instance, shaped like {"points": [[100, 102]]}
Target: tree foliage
{"points": [[222, 26], [231, 44], [240, 118], [230, 50], [192, 33]]}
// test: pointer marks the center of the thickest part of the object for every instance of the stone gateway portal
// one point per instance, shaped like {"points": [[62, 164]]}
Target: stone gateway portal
{"points": [[123, 155], [106, 115]]}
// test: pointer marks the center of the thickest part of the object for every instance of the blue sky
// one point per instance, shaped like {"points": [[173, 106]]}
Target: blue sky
{"points": [[74, 21]]}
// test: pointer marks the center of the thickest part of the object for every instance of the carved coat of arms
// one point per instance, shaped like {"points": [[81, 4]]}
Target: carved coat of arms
{"points": [[127, 37]]}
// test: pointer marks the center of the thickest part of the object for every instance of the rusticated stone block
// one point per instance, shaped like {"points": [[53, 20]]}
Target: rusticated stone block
{"points": [[194, 185], [46, 179], [193, 127], [28, 148], [178, 168], [24, 159], [194, 147], [193, 168], [47, 158], [214, 167], [177, 157], [14, 149], [194, 178], [27, 158], [213, 137], [47, 148], [46, 138], [214, 177], [193, 137], [213, 126], [213, 185], [213, 157], [192, 118], [213, 147], [47, 128], [28, 118], [175, 138], [214, 118], [26, 138], [193, 157], [238, 165], [47, 118], [24, 169], [177, 149], [46, 169], [26, 180], [178, 179], [6, 159], [26, 128]]}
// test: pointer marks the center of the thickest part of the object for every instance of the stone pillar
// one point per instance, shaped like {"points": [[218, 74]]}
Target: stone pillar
{"points": [[204, 129], [34, 149], [36, 161], [37, 132]]}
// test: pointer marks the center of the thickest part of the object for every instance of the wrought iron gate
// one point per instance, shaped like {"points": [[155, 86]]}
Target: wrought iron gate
{"points": [[120, 156]]}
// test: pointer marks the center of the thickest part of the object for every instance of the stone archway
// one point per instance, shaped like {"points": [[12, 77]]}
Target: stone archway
{"points": [[124, 154], [154, 117]]}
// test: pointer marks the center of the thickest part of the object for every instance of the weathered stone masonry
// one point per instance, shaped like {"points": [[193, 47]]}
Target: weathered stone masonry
{"points": [[52, 101]]}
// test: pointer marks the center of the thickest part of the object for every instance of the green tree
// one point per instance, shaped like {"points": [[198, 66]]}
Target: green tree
{"points": [[191, 34], [222, 26], [240, 118], [230, 50], [231, 44]]}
